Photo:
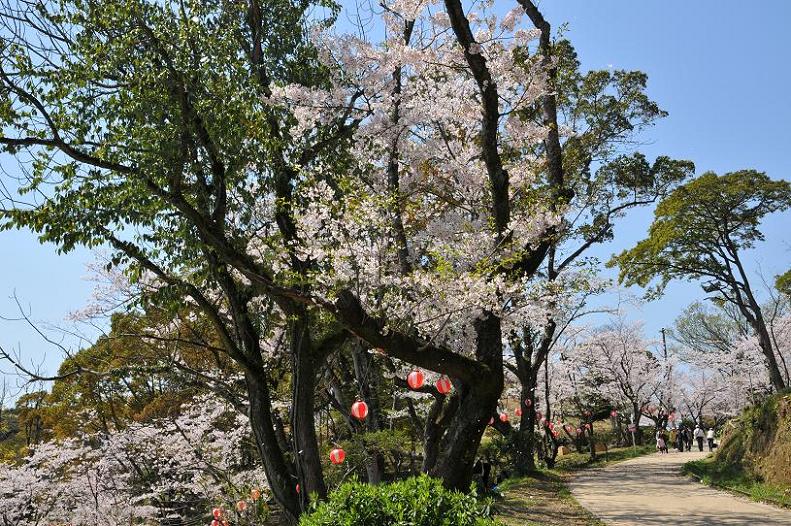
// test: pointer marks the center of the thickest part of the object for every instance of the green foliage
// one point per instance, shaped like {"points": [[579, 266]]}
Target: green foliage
{"points": [[418, 501], [607, 110], [722, 474], [783, 283], [362, 448], [700, 229]]}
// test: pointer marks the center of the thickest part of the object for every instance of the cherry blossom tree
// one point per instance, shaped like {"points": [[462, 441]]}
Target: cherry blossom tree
{"points": [[168, 469], [327, 187]]}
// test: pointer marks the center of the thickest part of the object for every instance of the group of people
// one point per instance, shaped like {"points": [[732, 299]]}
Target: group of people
{"points": [[682, 437]]}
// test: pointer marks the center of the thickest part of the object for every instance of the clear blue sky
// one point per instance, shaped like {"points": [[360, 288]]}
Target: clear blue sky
{"points": [[720, 67]]}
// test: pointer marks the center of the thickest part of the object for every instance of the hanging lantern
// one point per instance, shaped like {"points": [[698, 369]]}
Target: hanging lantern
{"points": [[613, 413], [518, 411], [337, 456], [255, 494], [297, 488], [415, 379], [444, 385], [217, 513], [359, 410], [528, 402], [241, 506], [504, 417]]}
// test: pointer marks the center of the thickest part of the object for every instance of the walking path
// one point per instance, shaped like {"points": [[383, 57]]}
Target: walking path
{"points": [[650, 490]]}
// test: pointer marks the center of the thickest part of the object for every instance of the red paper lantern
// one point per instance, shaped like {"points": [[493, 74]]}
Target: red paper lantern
{"points": [[504, 417], [241, 506], [518, 411], [415, 379], [337, 456], [297, 488], [359, 410], [613, 413], [528, 402], [217, 513], [444, 385]]}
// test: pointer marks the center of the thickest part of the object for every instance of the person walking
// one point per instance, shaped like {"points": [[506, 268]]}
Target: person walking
{"points": [[710, 438], [688, 438], [661, 442], [680, 437], [698, 434]]}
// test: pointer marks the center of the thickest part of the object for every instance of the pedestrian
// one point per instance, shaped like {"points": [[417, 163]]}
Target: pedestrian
{"points": [[661, 442], [698, 433], [680, 434], [710, 438], [688, 438]]}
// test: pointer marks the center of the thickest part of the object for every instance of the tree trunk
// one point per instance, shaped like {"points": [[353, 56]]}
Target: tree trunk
{"points": [[477, 403], [303, 424], [524, 438], [765, 343], [280, 478]]}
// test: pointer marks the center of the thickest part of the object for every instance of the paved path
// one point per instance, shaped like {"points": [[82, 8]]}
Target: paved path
{"points": [[649, 491]]}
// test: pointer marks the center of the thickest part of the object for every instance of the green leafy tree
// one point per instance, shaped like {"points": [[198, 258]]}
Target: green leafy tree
{"points": [[700, 232], [141, 126]]}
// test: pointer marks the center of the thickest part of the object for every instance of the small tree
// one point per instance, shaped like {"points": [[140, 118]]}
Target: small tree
{"points": [[700, 232]]}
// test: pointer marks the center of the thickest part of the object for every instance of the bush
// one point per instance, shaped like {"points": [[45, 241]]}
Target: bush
{"points": [[417, 501]]}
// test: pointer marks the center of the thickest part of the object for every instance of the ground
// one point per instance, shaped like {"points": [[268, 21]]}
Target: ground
{"points": [[650, 491], [544, 498]]}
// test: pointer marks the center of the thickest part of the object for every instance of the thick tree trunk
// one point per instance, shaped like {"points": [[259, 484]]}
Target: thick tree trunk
{"points": [[765, 343], [280, 478], [525, 437], [303, 388], [477, 403]]}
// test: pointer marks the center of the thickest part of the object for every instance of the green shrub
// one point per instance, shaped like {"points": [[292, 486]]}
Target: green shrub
{"points": [[417, 501]]}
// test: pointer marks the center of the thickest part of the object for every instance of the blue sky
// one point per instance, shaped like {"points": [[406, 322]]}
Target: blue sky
{"points": [[719, 67]]}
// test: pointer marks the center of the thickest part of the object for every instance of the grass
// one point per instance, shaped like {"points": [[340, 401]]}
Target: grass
{"points": [[544, 499], [732, 477]]}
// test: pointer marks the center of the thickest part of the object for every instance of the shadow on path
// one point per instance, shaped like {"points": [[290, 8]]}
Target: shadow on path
{"points": [[651, 491]]}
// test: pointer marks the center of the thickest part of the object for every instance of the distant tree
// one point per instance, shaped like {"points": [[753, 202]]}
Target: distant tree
{"points": [[783, 283], [700, 232]]}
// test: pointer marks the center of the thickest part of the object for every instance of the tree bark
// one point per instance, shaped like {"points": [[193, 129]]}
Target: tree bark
{"points": [[281, 479], [477, 403], [303, 423]]}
